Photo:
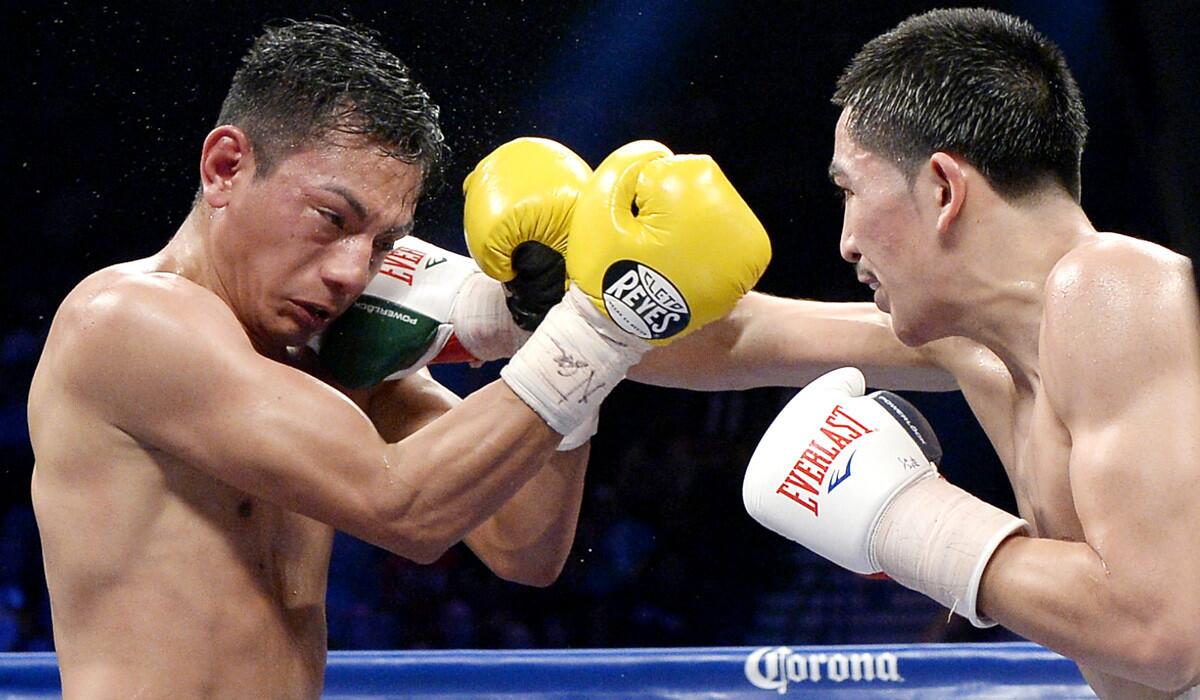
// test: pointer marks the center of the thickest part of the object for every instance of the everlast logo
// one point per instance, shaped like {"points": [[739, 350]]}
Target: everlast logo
{"points": [[803, 482], [402, 262], [773, 668], [643, 302]]}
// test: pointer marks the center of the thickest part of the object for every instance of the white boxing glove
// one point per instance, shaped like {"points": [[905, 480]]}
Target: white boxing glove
{"points": [[425, 305], [853, 478], [429, 305]]}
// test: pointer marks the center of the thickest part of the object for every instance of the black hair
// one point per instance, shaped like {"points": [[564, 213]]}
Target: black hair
{"points": [[304, 81], [977, 83]]}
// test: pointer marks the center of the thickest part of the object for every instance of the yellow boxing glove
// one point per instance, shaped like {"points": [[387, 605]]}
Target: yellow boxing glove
{"points": [[517, 207], [663, 244], [523, 191], [659, 245]]}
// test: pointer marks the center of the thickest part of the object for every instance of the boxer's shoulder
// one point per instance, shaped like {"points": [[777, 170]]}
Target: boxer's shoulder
{"points": [[137, 298], [127, 325], [1114, 266], [1112, 287], [1117, 310]]}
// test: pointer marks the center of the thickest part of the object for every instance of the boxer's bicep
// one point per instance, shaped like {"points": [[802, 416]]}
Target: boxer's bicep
{"points": [[1121, 365], [773, 341], [1135, 499]]}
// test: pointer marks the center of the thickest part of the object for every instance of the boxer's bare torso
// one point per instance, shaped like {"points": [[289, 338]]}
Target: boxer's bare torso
{"points": [[190, 468], [1028, 437], [1091, 411], [165, 580], [1089, 422]]}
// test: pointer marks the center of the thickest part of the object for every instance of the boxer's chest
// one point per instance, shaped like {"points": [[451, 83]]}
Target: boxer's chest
{"points": [[1038, 466], [287, 551], [1030, 440]]}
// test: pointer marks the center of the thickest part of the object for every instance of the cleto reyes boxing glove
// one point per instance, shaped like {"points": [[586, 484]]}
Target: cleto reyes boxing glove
{"points": [[662, 243], [853, 478], [674, 245], [517, 207]]}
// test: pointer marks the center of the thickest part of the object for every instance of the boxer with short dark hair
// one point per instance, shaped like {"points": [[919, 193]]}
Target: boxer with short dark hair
{"points": [[292, 89], [192, 464], [957, 153]]}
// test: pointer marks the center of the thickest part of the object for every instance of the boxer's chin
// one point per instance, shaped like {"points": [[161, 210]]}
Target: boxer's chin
{"points": [[902, 323], [882, 301], [914, 330]]}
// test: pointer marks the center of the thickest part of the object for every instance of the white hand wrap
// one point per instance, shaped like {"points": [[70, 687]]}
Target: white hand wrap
{"points": [[484, 327], [580, 435], [571, 362], [937, 539], [482, 322]]}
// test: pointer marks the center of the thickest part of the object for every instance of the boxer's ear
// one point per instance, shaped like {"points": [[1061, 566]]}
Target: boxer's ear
{"points": [[225, 159], [950, 188]]}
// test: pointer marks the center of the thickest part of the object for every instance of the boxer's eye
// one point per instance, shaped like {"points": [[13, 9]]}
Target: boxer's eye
{"points": [[333, 218], [385, 245]]}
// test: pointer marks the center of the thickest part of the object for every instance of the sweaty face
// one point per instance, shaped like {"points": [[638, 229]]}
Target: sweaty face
{"points": [[292, 250], [885, 233]]}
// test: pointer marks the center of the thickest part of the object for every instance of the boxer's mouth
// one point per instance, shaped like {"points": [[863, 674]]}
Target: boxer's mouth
{"points": [[316, 311]]}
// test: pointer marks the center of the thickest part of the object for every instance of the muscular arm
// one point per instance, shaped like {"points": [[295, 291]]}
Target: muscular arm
{"points": [[772, 341], [166, 362], [1121, 363], [527, 539]]}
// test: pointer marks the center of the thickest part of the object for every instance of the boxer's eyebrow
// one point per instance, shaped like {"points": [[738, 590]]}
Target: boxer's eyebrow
{"points": [[351, 200], [398, 231]]}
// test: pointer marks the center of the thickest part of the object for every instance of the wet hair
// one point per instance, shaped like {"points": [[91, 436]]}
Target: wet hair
{"points": [[302, 82], [979, 84]]}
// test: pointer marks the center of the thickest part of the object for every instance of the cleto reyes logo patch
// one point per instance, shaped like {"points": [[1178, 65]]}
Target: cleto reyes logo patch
{"points": [[643, 302], [803, 482]]}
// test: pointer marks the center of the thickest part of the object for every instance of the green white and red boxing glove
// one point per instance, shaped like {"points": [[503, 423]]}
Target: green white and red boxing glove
{"points": [[426, 305], [854, 479]]}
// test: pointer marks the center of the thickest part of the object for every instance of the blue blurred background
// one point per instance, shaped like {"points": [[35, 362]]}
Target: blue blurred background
{"points": [[105, 106]]}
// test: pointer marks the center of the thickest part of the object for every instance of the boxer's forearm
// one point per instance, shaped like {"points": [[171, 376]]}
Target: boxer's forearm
{"points": [[452, 474], [773, 341], [529, 538], [1064, 596]]}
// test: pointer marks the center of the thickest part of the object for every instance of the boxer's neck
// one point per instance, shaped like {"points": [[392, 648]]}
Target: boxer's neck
{"points": [[1005, 262]]}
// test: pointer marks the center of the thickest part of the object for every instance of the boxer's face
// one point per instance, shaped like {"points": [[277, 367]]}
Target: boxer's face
{"points": [[885, 233], [300, 244]]}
